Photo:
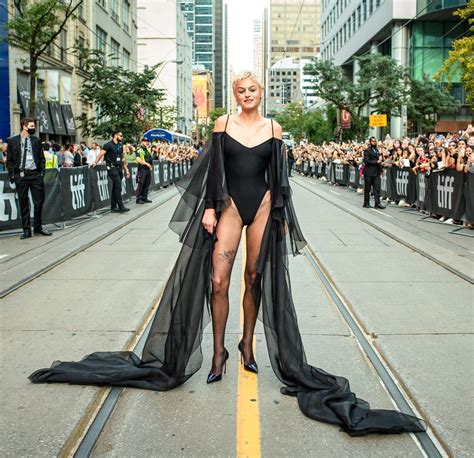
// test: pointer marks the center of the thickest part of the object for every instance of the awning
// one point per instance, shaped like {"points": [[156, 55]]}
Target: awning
{"points": [[57, 117], [69, 119]]}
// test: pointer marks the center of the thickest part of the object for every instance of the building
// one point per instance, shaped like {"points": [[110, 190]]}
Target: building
{"points": [[291, 38], [206, 23], [203, 93], [107, 26], [258, 55], [284, 85], [163, 38], [417, 34], [294, 29]]}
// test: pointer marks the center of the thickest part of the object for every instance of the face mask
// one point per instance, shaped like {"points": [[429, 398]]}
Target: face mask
{"points": [[31, 131]]}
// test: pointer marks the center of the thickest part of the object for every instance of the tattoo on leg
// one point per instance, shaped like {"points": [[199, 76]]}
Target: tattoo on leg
{"points": [[227, 255]]}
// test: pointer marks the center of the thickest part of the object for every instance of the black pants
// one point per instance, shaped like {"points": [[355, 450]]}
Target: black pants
{"points": [[290, 167], [116, 174], [144, 180], [32, 181], [370, 182]]}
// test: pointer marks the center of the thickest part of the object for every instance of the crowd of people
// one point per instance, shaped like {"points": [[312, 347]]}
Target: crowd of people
{"points": [[421, 154], [77, 155]]}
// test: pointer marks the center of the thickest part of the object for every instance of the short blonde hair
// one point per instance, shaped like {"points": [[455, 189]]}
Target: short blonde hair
{"points": [[247, 74]]}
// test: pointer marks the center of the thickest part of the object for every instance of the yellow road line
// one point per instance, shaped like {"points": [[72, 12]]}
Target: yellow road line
{"points": [[248, 416]]}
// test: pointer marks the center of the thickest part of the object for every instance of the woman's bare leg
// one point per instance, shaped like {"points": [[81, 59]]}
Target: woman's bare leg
{"points": [[254, 240], [229, 231]]}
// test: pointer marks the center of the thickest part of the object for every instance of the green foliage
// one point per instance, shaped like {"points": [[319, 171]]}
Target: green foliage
{"points": [[380, 81], [34, 26], [461, 57], [428, 99], [123, 99], [213, 115], [291, 120]]}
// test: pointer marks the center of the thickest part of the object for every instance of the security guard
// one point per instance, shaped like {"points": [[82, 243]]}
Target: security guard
{"points": [[115, 160], [51, 159], [145, 163]]}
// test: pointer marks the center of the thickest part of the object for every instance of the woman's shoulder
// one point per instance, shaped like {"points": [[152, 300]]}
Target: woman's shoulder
{"points": [[221, 122], [277, 130]]}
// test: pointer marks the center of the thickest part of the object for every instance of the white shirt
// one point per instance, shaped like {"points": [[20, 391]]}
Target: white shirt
{"points": [[91, 156]]}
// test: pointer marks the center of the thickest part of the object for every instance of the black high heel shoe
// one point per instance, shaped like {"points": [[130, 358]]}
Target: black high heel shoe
{"points": [[251, 367], [211, 378]]}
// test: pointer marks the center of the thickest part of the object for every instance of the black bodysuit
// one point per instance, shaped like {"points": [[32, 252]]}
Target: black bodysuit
{"points": [[245, 174]]}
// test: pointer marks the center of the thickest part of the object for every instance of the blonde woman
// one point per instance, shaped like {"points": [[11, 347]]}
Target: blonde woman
{"points": [[239, 180]]}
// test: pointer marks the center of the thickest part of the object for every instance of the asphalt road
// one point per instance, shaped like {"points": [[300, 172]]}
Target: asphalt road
{"points": [[411, 305]]}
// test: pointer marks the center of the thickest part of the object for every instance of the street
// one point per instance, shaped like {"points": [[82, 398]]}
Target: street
{"points": [[404, 283]]}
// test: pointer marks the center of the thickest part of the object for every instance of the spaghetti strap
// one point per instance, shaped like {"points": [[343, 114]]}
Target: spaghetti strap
{"points": [[227, 122], [271, 120]]}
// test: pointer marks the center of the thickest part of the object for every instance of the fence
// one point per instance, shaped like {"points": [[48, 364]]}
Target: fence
{"points": [[446, 193], [74, 192]]}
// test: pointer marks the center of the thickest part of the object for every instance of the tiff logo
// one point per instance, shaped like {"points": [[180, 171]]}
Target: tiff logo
{"points": [[340, 172], [421, 188], [165, 173], [352, 175], [103, 185], [320, 168], [444, 190], [10, 198], [401, 182], [124, 186], [78, 190], [383, 182], [156, 173], [134, 178]]}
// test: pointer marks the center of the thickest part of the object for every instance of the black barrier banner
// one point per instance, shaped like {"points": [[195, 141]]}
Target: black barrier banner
{"points": [[341, 174], [132, 182], [156, 175], [331, 175], [446, 194], [166, 174], [76, 191], [469, 200], [352, 176], [421, 190], [398, 183], [10, 217], [101, 186], [177, 172]]}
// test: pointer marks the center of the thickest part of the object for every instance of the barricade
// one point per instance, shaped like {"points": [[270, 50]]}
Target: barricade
{"points": [[74, 192], [446, 193]]}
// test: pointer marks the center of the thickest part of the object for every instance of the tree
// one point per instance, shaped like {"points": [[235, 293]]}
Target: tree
{"points": [[461, 57], [380, 81], [291, 120], [34, 27], [165, 118], [123, 99], [425, 103], [317, 127]]}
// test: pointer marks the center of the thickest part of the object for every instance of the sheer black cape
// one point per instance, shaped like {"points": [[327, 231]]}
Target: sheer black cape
{"points": [[172, 351]]}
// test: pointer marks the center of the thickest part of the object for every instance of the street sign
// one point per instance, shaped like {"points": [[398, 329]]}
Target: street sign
{"points": [[378, 120], [345, 119]]}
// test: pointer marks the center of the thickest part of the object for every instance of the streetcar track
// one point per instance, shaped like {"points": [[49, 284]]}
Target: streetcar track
{"points": [[83, 439], [429, 442], [442, 264], [82, 248]]}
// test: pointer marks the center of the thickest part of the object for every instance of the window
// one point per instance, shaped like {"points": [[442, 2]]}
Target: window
{"points": [[371, 7], [115, 53], [80, 11], [63, 45], [353, 22], [101, 40], [126, 15], [114, 9], [126, 59], [102, 3], [82, 45], [364, 9], [359, 17]]}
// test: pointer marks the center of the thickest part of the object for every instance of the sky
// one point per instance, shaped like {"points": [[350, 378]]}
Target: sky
{"points": [[241, 14]]}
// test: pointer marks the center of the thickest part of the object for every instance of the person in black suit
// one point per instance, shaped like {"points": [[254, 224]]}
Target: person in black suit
{"points": [[372, 171], [26, 166], [116, 164]]}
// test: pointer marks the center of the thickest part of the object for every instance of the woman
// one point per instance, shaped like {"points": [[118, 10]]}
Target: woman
{"points": [[215, 205]]}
